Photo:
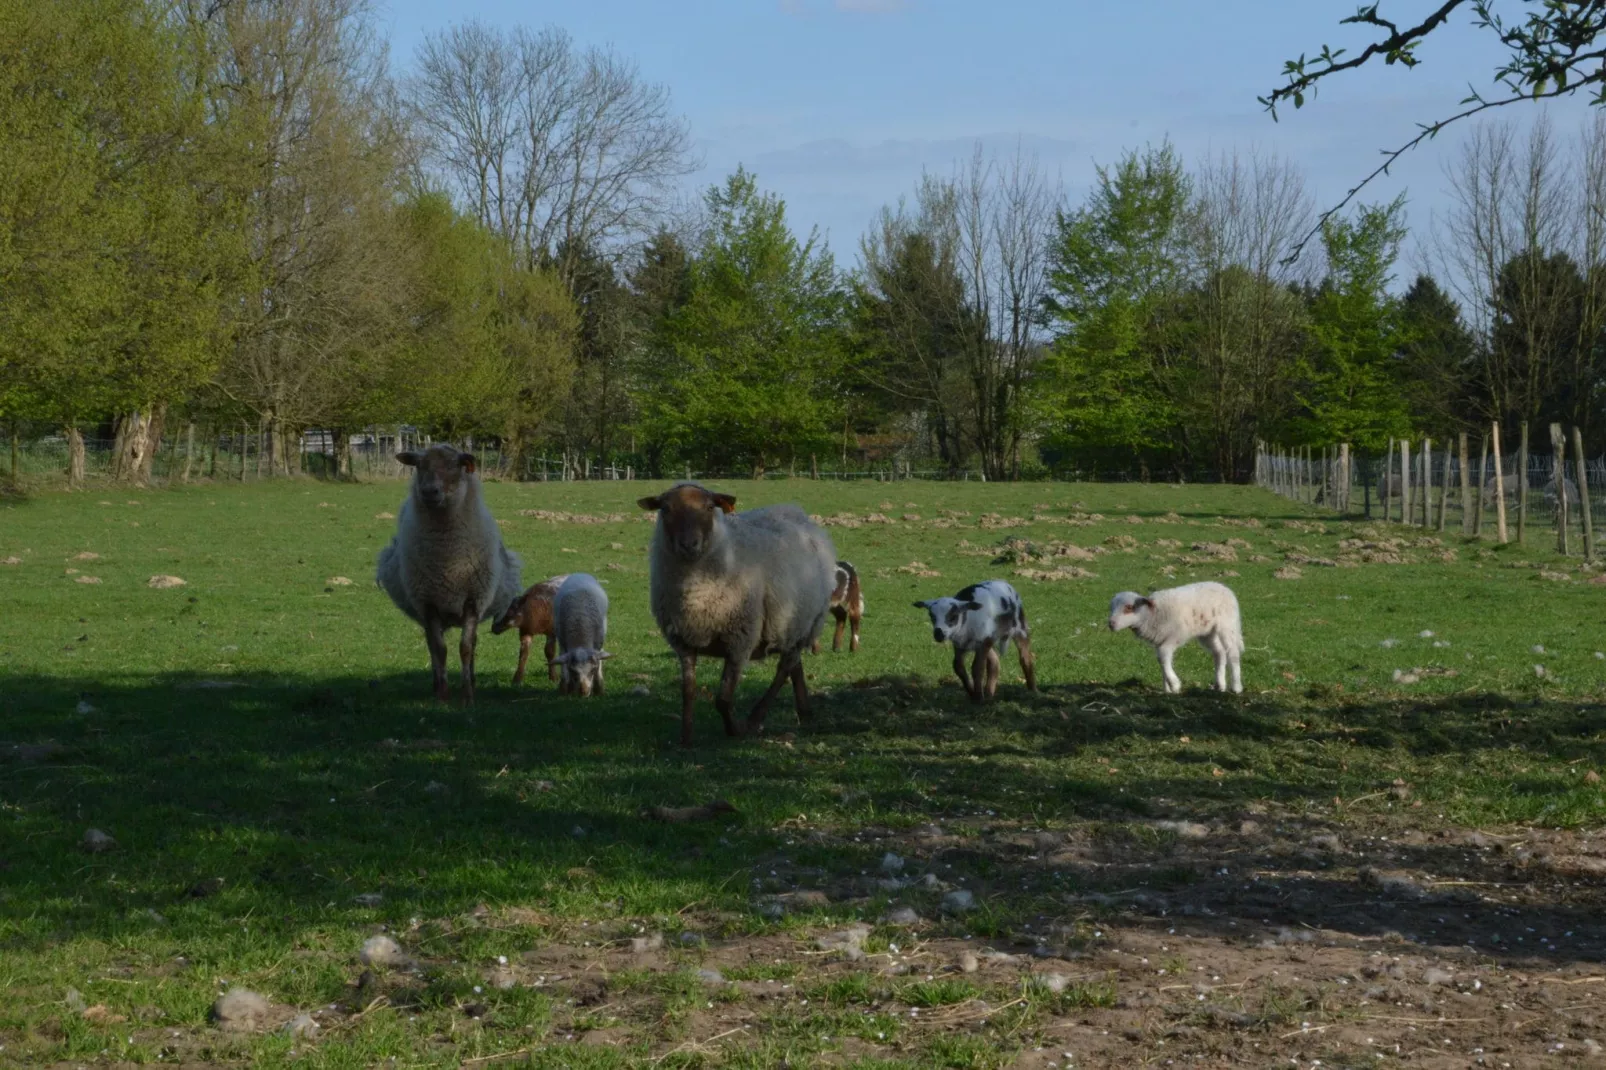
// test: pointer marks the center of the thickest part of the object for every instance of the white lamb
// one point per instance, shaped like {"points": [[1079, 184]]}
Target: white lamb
{"points": [[580, 621], [738, 586], [1168, 619], [447, 567], [983, 619]]}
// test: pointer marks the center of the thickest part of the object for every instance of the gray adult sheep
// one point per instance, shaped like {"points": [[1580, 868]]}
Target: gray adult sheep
{"points": [[738, 586], [447, 566]]}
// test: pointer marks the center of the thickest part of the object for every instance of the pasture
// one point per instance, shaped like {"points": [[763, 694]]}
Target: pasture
{"points": [[1387, 849]]}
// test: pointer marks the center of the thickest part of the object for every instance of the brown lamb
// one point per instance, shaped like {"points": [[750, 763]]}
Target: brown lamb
{"points": [[531, 613]]}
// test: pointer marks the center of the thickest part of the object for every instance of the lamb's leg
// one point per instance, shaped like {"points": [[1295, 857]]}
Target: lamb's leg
{"points": [[1028, 661], [978, 674], [525, 642], [853, 623], [1218, 650], [688, 695], [1173, 683], [465, 652], [783, 669], [551, 646], [959, 671], [1234, 655], [841, 616], [725, 700], [994, 663], [437, 655], [800, 692]]}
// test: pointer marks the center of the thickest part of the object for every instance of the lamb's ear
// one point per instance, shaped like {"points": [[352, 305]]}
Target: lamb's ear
{"points": [[466, 462], [408, 457], [922, 605], [726, 502], [651, 504], [972, 606], [1142, 603]]}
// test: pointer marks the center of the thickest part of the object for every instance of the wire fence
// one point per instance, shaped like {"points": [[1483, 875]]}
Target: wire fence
{"points": [[1474, 489]]}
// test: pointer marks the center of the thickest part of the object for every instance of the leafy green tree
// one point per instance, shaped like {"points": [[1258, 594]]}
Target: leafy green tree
{"points": [[1118, 261], [1352, 391], [755, 352]]}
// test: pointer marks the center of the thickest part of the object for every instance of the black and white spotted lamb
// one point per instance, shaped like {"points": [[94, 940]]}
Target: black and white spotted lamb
{"points": [[983, 619]]}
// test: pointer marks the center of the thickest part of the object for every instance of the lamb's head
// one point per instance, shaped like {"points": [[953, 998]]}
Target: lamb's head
{"points": [[1128, 609], [947, 615], [442, 475], [510, 616], [689, 516], [580, 670]]}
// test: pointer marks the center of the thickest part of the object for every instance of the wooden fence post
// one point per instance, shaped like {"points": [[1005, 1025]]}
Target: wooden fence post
{"points": [[1583, 496], [1522, 487], [1444, 489], [1427, 482], [1466, 502], [1483, 475], [1343, 477], [1558, 447], [1499, 488], [1405, 481]]}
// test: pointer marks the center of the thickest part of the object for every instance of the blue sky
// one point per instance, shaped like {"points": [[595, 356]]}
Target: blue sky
{"points": [[838, 105]]}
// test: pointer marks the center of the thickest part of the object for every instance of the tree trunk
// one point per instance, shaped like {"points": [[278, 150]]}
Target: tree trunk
{"points": [[342, 455], [75, 458], [189, 451], [154, 426]]}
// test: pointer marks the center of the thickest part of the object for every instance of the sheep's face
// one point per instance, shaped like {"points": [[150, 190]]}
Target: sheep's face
{"points": [[441, 475], [1126, 609], [688, 513], [947, 616], [580, 671]]}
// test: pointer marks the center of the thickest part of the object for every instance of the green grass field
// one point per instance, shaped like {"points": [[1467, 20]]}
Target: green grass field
{"points": [[261, 745]]}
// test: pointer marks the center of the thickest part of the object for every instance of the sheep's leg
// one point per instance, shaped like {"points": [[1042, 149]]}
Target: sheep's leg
{"points": [[783, 669], [814, 647], [1028, 662], [1218, 650], [551, 647], [725, 700], [959, 671], [1234, 655], [841, 622], [437, 655], [598, 689], [688, 695], [465, 652], [994, 663], [524, 655], [800, 692], [978, 674], [1173, 683], [853, 623]]}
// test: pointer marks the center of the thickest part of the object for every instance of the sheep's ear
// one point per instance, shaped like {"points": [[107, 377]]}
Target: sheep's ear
{"points": [[972, 606], [408, 457], [726, 502], [922, 605], [1142, 603], [650, 504], [603, 655], [467, 462]]}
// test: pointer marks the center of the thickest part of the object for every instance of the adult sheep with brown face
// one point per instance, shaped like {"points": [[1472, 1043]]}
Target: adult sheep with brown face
{"points": [[737, 586], [447, 566]]}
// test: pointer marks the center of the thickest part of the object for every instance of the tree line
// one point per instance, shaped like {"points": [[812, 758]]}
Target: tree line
{"points": [[235, 214]]}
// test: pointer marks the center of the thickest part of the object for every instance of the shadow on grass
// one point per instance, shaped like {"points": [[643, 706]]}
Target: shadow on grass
{"points": [[293, 801]]}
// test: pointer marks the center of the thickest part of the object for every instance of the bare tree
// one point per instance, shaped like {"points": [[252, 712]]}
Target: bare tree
{"points": [[1249, 217], [559, 150]]}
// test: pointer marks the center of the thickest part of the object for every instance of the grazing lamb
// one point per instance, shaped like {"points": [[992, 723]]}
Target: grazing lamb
{"points": [[447, 567], [847, 606], [1168, 619], [531, 613], [580, 618], [983, 619], [738, 586]]}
